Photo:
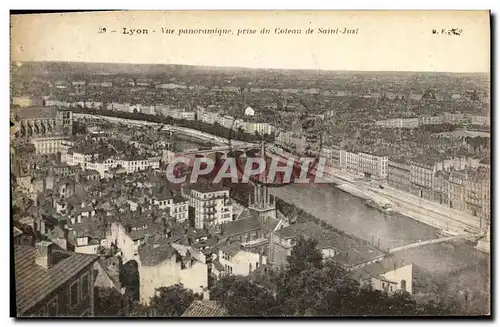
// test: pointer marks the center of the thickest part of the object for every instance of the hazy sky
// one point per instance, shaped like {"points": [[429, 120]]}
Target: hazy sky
{"points": [[386, 41]]}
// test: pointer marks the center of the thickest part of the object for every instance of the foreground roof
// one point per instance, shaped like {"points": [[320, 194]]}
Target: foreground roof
{"points": [[205, 309], [33, 283]]}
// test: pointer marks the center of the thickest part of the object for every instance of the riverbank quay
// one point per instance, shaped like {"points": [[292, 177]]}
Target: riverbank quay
{"points": [[406, 204]]}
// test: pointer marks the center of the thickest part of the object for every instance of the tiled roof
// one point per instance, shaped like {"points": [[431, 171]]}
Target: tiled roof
{"points": [[205, 309], [240, 226], [106, 278], [306, 229], [353, 251], [179, 198], [269, 223], [207, 187], [379, 268], [231, 249], [247, 213], [57, 232], [89, 172], [34, 283], [88, 228], [153, 254], [162, 193], [36, 113]]}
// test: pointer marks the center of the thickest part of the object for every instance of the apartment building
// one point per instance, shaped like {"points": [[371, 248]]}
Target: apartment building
{"points": [[211, 205], [364, 163]]}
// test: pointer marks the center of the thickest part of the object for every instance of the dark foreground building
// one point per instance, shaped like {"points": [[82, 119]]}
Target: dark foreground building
{"points": [[52, 282]]}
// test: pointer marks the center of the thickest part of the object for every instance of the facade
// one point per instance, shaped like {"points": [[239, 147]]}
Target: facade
{"points": [[387, 275], [120, 235], [332, 154], [180, 208], [132, 165], [431, 120], [86, 159], [212, 206], [207, 116], [64, 170], [52, 283], [50, 144], [177, 205], [398, 175], [399, 123], [238, 261], [481, 120], [261, 128], [364, 163], [162, 265], [421, 176], [441, 187]]}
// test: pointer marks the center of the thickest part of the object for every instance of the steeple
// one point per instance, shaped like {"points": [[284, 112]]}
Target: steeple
{"points": [[262, 178], [262, 202]]}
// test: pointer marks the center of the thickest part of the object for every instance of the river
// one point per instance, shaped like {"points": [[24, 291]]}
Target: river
{"points": [[185, 143], [461, 267]]}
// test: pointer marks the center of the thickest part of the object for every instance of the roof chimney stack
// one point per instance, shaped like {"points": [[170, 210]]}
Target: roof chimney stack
{"points": [[44, 254]]}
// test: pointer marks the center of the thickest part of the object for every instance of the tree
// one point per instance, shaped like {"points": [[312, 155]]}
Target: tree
{"points": [[171, 301], [242, 297], [309, 287], [304, 255]]}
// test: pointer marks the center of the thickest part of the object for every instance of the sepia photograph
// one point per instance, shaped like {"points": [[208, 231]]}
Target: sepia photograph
{"points": [[201, 164]]}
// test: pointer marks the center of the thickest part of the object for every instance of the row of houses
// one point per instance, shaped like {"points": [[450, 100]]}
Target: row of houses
{"points": [[251, 125], [446, 118], [461, 184]]}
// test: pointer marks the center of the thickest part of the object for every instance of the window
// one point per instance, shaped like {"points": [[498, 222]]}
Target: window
{"points": [[85, 284], [53, 307], [73, 294]]}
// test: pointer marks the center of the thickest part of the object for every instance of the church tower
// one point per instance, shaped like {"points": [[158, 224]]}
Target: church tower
{"points": [[262, 202]]}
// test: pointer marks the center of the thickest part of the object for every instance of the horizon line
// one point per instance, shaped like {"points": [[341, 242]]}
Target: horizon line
{"points": [[251, 68]]}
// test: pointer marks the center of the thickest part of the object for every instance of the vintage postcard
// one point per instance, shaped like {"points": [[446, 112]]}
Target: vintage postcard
{"points": [[251, 163]]}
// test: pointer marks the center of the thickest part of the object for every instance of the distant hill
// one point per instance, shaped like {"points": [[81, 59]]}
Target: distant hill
{"points": [[58, 68]]}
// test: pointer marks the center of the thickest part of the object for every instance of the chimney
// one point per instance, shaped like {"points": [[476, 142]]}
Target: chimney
{"points": [[44, 254]]}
